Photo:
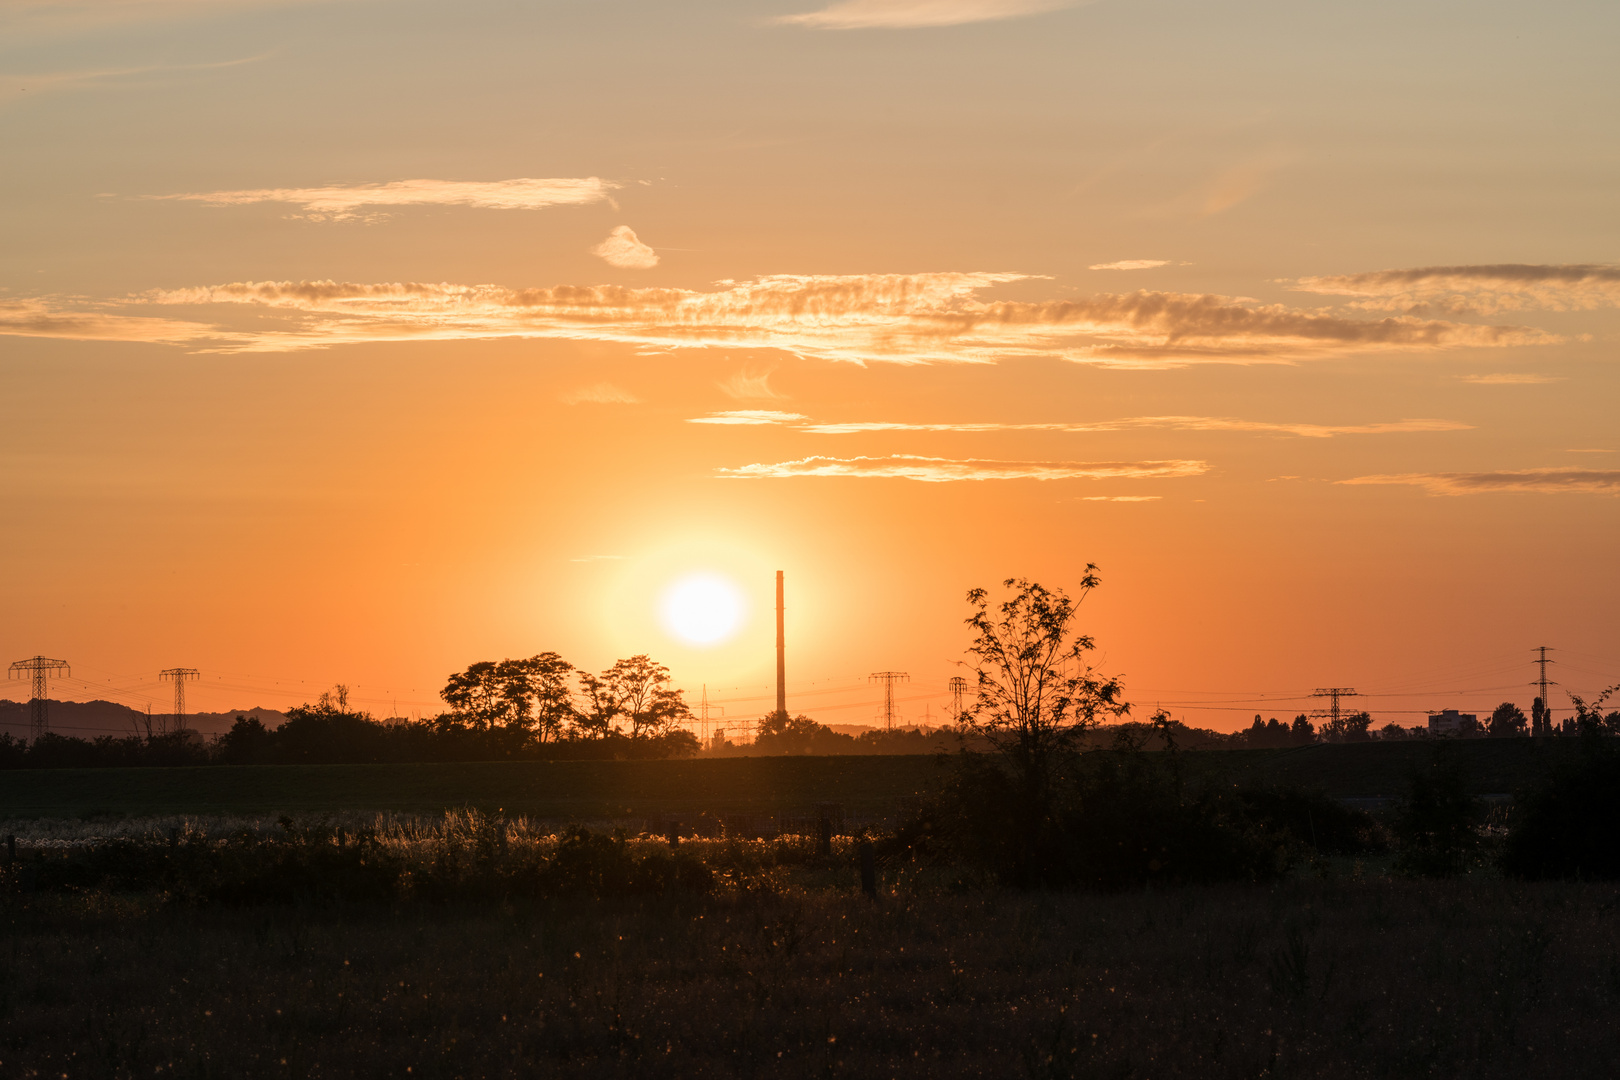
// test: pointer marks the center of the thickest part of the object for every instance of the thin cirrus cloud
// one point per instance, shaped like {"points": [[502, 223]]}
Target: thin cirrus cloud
{"points": [[624, 250], [750, 417], [947, 470], [603, 393], [44, 318], [1476, 290], [917, 14], [1173, 423], [1507, 378], [1130, 264], [1551, 481], [750, 385], [871, 318], [344, 202]]}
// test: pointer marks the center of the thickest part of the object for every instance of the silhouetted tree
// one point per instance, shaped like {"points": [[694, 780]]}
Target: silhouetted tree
{"points": [[1348, 728], [480, 696], [1036, 691], [541, 698], [1303, 730], [782, 734], [635, 691], [1507, 721]]}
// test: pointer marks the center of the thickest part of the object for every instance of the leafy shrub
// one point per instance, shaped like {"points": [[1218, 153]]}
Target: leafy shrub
{"points": [[1568, 825], [1435, 822]]}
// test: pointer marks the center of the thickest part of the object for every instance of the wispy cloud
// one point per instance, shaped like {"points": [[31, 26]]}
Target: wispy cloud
{"points": [[1476, 290], [913, 14], [945, 470], [750, 385], [896, 318], [602, 393], [1553, 481], [598, 558], [36, 317], [1175, 423], [1130, 264], [1121, 498], [624, 250], [1510, 379], [342, 202], [749, 416]]}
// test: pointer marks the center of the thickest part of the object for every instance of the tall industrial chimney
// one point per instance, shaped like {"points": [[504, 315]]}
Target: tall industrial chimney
{"points": [[781, 652]]}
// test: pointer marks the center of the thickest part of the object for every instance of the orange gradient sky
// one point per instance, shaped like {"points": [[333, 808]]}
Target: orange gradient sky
{"points": [[358, 340]]}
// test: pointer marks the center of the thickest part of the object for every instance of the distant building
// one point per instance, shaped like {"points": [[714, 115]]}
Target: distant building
{"points": [[1452, 722]]}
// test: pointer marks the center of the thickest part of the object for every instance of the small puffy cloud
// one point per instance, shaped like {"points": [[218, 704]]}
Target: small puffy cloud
{"points": [[750, 385], [1131, 264], [1510, 379], [342, 202], [749, 416], [945, 470], [914, 14], [624, 250], [1476, 290], [1553, 481], [602, 393]]}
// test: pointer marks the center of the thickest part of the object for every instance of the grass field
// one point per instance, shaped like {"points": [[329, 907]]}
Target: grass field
{"points": [[1332, 979], [865, 786]]}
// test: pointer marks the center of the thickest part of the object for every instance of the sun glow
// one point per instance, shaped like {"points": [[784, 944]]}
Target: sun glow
{"points": [[703, 609]]}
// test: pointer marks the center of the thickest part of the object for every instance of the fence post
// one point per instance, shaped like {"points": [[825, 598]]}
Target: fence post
{"points": [[868, 870], [674, 834], [824, 838], [340, 838], [11, 847], [174, 840]]}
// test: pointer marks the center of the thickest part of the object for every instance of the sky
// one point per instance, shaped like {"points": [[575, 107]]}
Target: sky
{"points": [[355, 341]]}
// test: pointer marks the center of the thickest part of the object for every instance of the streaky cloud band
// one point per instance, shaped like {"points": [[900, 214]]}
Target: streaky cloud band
{"points": [[341, 202], [1476, 290], [946, 470], [1551, 481], [860, 318]]}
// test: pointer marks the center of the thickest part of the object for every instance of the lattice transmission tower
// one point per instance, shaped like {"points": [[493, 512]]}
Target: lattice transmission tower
{"points": [[1541, 719], [1333, 694], [178, 676], [704, 709], [39, 669], [888, 679], [958, 687]]}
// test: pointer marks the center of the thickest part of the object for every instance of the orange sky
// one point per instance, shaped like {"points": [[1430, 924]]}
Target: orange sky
{"points": [[360, 340]]}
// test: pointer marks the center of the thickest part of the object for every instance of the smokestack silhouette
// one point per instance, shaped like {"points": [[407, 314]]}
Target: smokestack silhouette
{"points": [[781, 652]]}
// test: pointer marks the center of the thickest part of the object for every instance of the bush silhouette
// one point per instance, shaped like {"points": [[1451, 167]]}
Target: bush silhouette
{"points": [[1568, 825]]}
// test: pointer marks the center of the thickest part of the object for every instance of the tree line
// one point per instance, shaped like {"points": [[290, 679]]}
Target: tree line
{"points": [[538, 707]]}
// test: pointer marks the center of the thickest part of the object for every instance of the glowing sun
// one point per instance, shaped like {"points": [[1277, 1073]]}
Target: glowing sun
{"points": [[702, 609]]}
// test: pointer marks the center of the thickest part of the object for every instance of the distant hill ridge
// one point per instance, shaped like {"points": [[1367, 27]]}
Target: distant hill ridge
{"points": [[90, 719]]}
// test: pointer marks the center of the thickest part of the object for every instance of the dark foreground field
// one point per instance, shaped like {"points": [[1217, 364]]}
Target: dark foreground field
{"points": [[1311, 978], [562, 790]]}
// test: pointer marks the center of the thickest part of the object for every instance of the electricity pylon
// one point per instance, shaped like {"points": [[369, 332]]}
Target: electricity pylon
{"points": [[40, 669], [958, 687], [1541, 720], [703, 713], [888, 679], [1333, 694], [178, 675]]}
